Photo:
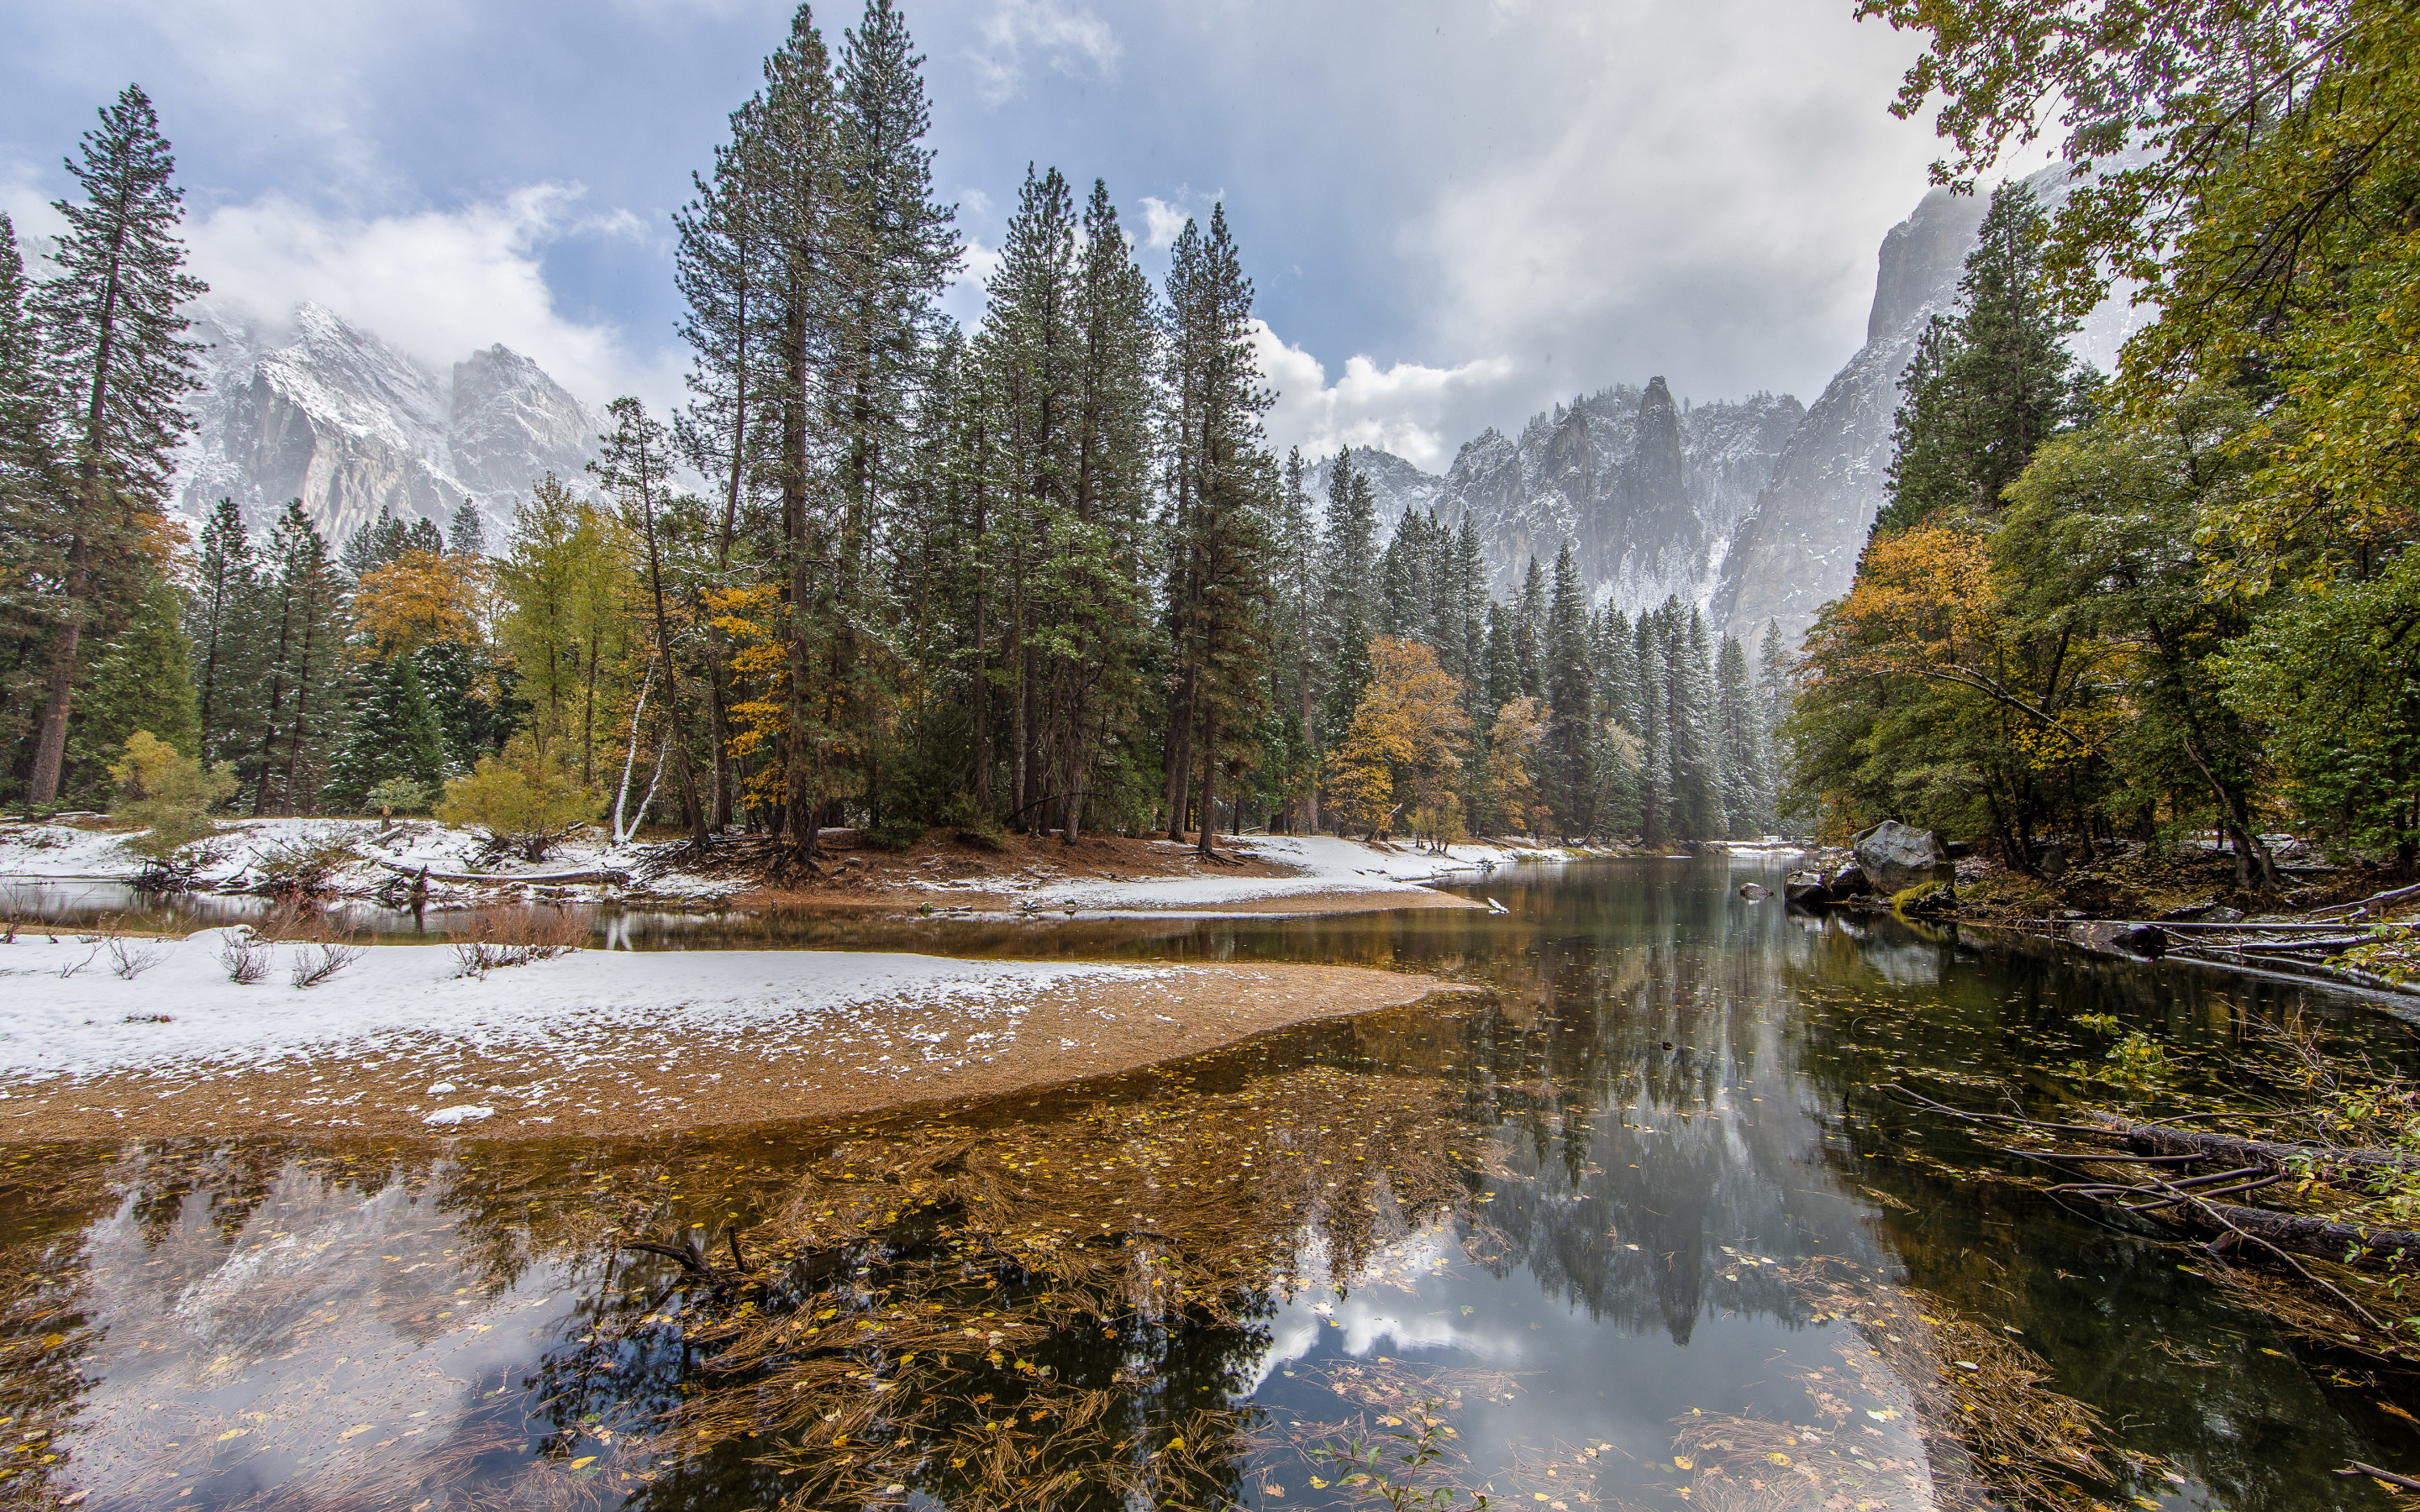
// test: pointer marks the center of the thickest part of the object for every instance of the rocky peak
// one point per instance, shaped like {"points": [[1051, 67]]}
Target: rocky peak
{"points": [[1921, 261], [1656, 451], [313, 408]]}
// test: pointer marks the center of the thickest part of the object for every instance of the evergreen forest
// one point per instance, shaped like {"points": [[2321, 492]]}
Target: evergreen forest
{"points": [[1044, 576]]}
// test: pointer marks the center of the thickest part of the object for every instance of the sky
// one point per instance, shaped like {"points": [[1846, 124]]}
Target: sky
{"points": [[1454, 214]]}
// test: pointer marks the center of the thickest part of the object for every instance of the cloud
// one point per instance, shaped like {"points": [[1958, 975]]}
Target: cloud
{"points": [[1699, 204], [1161, 222], [1418, 412], [437, 285], [1062, 35]]}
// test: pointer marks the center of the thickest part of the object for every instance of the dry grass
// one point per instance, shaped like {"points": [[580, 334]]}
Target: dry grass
{"points": [[490, 939]]}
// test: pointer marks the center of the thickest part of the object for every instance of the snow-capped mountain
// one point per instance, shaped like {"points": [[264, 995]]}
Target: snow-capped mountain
{"points": [[323, 411], [1756, 509]]}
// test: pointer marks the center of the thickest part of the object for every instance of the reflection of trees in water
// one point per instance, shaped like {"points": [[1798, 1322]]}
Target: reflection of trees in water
{"points": [[2156, 1349]]}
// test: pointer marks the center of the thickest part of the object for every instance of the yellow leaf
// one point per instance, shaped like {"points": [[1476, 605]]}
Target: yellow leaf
{"points": [[584, 1462], [1174, 1444], [233, 1433], [1685, 1461], [1776, 1456], [357, 1429]]}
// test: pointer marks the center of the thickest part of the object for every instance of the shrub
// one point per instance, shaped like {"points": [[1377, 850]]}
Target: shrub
{"points": [[305, 867], [167, 793], [399, 794], [520, 800], [498, 937]]}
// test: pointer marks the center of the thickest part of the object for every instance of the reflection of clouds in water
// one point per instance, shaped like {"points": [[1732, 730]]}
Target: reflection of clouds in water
{"points": [[321, 1338], [1374, 1314], [1902, 964]]}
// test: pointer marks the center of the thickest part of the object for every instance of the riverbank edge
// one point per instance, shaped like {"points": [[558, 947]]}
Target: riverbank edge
{"points": [[725, 1082], [2400, 1002]]}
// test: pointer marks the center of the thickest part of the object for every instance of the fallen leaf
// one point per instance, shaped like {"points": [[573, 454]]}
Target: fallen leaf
{"points": [[357, 1429], [584, 1462]]}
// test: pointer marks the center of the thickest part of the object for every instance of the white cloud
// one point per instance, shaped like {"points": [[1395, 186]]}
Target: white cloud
{"points": [[1161, 222], [1699, 203], [437, 285], [1063, 37], [1418, 412]]}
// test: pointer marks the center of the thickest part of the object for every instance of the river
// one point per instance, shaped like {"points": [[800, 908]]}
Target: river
{"points": [[1633, 1227]]}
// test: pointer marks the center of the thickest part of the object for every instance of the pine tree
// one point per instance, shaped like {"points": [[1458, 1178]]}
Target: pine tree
{"points": [[1743, 746], [302, 631], [1348, 541], [142, 680], [793, 176], [390, 730], [1093, 581], [1225, 491], [1653, 728], [113, 325], [1297, 589], [468, 537], [1570, 679], [1696, 799], [1529, 632], [219, 621], [1501, 674], [1989, 384], [32, 479]]}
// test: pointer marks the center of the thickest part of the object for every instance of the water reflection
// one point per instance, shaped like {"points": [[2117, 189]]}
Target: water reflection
{"points": [[1629, 1224]]}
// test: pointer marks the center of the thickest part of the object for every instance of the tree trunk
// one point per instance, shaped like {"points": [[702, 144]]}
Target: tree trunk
{"points": [[1209, 795], [51, 748]]}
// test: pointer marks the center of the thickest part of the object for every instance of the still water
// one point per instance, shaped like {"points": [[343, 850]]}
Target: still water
{"points": [[1632, 1228]]}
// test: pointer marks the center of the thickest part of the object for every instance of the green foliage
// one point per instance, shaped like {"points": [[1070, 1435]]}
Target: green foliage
{"points": [[521, 800], [390, 734], [2332, 681], [1989, 385], [168, 793], [399, 794], [141, 679]]}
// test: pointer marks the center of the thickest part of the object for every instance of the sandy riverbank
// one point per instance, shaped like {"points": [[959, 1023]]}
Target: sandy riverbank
{"points": [[598, 1042]]}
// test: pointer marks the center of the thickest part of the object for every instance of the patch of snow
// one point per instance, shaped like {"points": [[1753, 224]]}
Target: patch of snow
{"points": [[461, 1113], [398, 993], [1321, 863]]}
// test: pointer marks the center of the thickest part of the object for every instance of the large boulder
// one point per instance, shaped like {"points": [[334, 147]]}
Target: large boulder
{"points": [[1849, 882], [1806, 890], [1896, 856]]}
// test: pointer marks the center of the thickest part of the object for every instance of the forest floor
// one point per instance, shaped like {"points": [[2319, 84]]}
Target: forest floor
{"points": [[116, 1038]]}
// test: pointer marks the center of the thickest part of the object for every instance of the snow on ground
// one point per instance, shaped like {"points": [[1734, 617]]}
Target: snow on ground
{"points": [[246, 850], [1325, 863], [68, 1011]]}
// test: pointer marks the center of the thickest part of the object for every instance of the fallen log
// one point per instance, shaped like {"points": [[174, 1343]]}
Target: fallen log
{"points": [[2322, 1237], [2167, 1139], [597, 874]]}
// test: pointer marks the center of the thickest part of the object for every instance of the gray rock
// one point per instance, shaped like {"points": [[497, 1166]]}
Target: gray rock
{"points": [[323, 411], [1755, 892], [2142, 939], [1806, 890], [1850, 881], [1896, 856]]}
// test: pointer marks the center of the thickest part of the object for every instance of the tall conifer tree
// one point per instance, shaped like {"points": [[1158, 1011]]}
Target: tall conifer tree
{"points": [[113, 320]]}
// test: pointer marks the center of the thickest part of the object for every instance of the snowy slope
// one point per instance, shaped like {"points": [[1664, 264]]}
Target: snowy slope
{"points": [[322, 411]]}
